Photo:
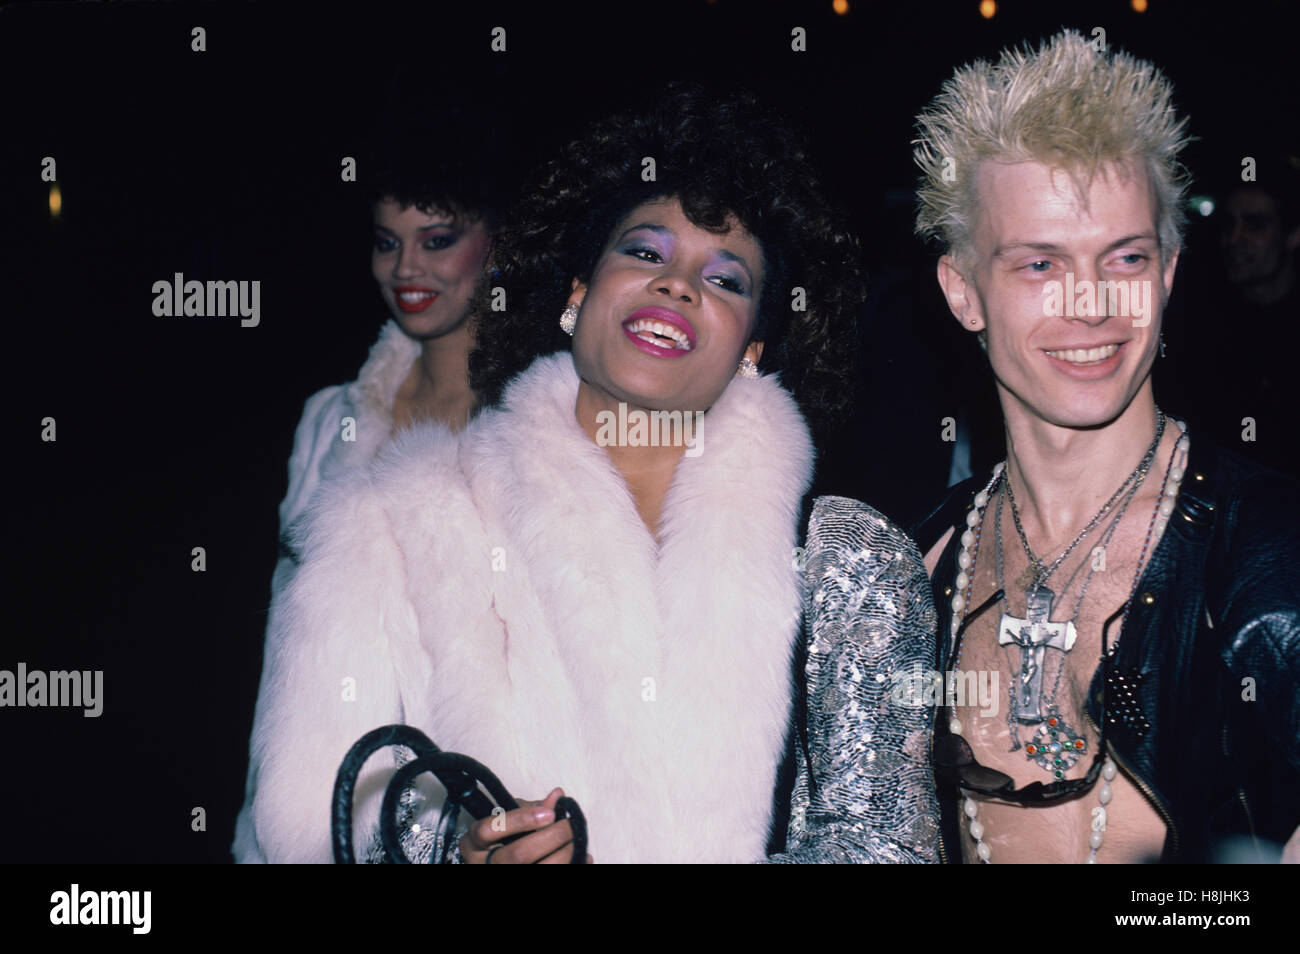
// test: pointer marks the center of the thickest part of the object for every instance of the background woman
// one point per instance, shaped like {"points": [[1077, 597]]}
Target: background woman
{"points": [[433, 212]]}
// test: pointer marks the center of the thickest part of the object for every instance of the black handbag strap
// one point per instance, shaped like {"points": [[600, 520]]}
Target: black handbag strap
{"points": [[470, 786]]}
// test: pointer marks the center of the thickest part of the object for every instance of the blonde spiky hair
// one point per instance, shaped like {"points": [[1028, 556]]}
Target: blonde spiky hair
{"points": [[1065, 104]]}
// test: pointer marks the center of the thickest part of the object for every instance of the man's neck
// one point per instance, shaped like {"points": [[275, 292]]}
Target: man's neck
{"points": [[1062, 476]]}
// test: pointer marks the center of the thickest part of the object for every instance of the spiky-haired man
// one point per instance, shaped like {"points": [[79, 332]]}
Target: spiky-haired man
{"points": [[1129, 581]]}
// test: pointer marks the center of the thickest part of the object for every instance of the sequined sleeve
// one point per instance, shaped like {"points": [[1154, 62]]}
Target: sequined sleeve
{"points": [[869, 619]]}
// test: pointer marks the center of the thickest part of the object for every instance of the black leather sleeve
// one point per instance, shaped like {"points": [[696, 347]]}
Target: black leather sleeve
{"points": [[928, 526], [1255, 606]]}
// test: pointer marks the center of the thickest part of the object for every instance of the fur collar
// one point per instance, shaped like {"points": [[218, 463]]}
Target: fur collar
{"points": [[369, 399], [498, 590], [652, 682]]}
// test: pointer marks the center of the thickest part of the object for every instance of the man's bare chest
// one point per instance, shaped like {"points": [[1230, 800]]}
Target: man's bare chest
{"points": [[1038, 651]]}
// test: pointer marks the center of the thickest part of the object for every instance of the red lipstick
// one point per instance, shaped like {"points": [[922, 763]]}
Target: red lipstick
{"points": [[417, 298]]}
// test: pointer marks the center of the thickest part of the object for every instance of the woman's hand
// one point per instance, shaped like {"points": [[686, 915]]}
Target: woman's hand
{"points": [[551, 842]]}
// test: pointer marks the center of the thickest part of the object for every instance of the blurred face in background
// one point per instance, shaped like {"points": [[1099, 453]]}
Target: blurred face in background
{"points": [[1256, 246], [427, 266]]}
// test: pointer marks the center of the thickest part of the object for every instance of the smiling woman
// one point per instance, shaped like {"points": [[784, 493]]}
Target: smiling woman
{"points": [[619, 617], [433, 213], [738, 173]]}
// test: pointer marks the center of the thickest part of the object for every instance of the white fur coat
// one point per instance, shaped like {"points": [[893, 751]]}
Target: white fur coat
{"points": [[366, 407], [499, 591]]}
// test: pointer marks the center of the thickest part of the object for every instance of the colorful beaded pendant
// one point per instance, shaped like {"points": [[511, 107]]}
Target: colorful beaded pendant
{"points": [[1056, 746]]}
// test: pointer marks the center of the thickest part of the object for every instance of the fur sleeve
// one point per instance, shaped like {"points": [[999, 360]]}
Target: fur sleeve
{"points": [[319, 422], [327, 678]]}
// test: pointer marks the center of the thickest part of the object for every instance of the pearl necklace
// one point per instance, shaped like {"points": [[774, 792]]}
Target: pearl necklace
{"points": [[970, 540]]}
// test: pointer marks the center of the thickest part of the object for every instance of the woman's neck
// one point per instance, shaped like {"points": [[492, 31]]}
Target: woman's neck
{"points": [[647, 470], [437, 386]]}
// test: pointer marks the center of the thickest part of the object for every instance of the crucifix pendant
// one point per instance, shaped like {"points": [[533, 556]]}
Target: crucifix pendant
{"points": [[1033, 635]]}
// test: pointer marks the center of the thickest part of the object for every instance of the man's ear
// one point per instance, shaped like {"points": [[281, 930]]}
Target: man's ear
{"points": [[962, 300], [1167, 274], [577, 293], [754, 351]]}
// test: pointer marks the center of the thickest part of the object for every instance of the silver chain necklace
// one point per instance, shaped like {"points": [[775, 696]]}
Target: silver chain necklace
{"points": [[1036, 574], [1056, 745]]}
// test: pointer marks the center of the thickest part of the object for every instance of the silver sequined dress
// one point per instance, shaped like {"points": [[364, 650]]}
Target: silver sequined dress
{"points": [[869, 622]]}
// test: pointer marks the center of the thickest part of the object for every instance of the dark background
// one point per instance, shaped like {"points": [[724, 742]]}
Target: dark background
{"points": [[175, 432]]}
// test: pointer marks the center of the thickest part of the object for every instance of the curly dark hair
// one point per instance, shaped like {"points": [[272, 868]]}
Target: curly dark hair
{"points": [[456, 160], [720, 154]]}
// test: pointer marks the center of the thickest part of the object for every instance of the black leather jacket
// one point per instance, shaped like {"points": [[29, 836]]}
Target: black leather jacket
{"points": [[1210, 652]]}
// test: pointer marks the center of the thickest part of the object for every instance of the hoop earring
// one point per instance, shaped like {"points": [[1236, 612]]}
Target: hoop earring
{"points": [[569, 319], [747, 369]]}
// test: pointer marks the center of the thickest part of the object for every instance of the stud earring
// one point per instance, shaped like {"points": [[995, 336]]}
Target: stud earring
{"points": [[1162, 344], [569, 318], [747, 369]]}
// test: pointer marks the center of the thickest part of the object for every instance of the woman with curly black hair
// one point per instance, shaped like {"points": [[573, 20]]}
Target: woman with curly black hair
{"points": [[597, 583], [726, 159], [434, 212]]}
